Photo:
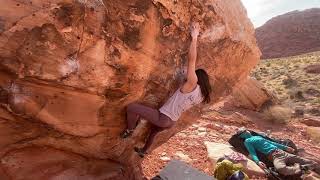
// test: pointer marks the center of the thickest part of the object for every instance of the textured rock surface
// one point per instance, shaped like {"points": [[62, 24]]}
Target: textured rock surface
{"points": [[313, 69], [290, 34], [252, 95], [311, 121], [69, 68]]}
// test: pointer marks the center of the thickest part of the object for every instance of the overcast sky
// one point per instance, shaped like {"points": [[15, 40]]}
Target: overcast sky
{"points": [[260, 11]]}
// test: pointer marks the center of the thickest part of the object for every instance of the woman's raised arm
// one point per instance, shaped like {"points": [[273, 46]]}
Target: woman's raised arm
{"points": [[192, 79]]}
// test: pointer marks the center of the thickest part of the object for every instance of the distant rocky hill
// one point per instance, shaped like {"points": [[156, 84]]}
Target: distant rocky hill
{"points": [[294, 33]]}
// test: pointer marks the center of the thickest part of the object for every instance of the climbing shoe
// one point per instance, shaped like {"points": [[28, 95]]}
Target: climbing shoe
{"points": [[140, 152], [126, 133]]}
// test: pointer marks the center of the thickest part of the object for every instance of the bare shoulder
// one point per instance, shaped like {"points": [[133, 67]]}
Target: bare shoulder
{"points": [[188, 87]]}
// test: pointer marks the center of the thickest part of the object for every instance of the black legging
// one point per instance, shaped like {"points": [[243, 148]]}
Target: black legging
{"points": [[158, 121]]}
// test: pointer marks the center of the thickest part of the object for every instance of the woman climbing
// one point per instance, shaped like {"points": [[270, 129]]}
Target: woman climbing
{"points": [[195, 90]]}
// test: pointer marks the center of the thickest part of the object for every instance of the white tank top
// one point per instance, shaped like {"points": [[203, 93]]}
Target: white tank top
{"points": [[180, 102]]}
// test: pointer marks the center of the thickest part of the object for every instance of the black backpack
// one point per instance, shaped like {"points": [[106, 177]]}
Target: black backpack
{"points": [[238, 143]]}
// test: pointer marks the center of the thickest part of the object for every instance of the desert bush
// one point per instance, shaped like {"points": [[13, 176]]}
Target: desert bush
{"points": [[296, 65], [258, 78], [312, 92], [314, 134], [289, 82], [278, 114]]}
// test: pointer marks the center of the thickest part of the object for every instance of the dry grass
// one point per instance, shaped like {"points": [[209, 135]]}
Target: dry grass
{"points": [[278, 114], [287, 78], [314, 133]]}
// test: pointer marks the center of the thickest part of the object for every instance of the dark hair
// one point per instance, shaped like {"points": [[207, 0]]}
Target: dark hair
{"points": [[241, 130], [203, 81]]}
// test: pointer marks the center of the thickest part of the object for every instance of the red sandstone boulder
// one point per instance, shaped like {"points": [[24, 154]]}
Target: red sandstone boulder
{"points": [[251, 94], [68, 69]]}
